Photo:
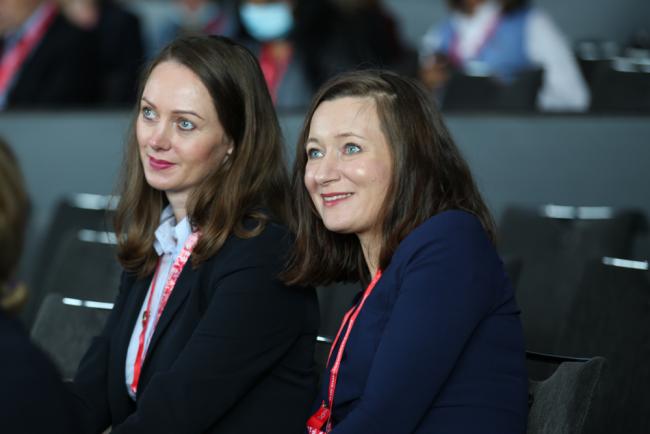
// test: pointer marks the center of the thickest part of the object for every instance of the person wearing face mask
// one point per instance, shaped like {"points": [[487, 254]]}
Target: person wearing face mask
{"points": [[271, 29]]}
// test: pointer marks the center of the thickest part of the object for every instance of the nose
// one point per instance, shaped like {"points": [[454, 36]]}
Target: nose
{"points": [[327, 170], [159, 139]]}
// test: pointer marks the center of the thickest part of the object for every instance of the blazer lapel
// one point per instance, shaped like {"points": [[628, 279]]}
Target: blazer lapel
{"points": [[180, 292], [130, 314]]}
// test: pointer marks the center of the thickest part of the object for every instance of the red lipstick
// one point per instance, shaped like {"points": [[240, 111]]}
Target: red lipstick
{"points": [[159, 164]]}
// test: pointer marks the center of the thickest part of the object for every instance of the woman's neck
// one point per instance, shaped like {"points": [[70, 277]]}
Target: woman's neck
{"points": [[371, 247], [178, 203]]}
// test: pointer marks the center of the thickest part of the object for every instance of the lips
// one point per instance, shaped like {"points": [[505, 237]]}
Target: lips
{"points": [[159, 164], [331, 199]]}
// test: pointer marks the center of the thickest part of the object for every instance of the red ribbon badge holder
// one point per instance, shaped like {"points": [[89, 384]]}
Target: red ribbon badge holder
{"points": [[320, 422], [177, 267]]}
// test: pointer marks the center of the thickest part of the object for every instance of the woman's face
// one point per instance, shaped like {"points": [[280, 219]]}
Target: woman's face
{"points": [[179, 134], [349, 165]]}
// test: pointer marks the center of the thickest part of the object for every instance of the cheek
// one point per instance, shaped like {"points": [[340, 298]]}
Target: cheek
{"points": [[309, 179]]}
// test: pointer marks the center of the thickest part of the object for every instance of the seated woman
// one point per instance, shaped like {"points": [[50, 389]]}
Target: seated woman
{"points": [[504, 38], [204, 337], [33, 400], [434, 344]]}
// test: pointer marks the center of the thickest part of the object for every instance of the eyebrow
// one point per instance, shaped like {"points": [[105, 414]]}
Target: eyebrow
{"points": [[185, 112]]}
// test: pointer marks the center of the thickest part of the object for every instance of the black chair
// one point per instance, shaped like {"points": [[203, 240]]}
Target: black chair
{"points": [[554, 244], [73, 213], [334, 301], [486, 93], [624, 88], [85, 266], [610, 316], [65, 327], [561, 404]]}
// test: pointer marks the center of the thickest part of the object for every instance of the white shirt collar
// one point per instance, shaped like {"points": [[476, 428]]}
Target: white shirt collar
{"points": [[472, 29], [170, 236]]}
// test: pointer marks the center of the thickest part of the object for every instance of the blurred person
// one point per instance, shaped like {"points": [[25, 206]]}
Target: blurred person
{"points": [[273, 31], [33, 400], [119, 49], [45, 61], [503, 38], [209, 17], [434, 344], [369, 35], [203, 337]]}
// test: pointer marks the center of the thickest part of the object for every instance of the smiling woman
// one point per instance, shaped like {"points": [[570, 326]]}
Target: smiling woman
{"points": [[382, 195], [204, 337]]}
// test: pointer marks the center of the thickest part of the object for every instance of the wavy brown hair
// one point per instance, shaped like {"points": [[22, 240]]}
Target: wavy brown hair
{"points": [[14, 213], [429, 176], [251, 185]]}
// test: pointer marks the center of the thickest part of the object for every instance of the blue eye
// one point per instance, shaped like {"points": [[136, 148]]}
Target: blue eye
{"points": [[314, 153], [351, 148], [185, 125], [148, 113]]}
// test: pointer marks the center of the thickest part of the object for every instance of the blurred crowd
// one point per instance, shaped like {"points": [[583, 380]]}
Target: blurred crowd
{"points": [[501, 53]]}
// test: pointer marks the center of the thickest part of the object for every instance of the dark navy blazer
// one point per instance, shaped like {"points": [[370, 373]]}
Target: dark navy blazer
{"points": [[438, 346], [232, 352]]}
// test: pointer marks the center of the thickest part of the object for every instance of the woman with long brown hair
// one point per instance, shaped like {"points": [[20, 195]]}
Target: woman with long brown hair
{"points": [[204, 337], [434, 343], [30, 384]]}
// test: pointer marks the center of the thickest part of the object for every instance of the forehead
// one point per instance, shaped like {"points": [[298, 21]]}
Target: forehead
{"points": [[346, 114], [174, 84]]}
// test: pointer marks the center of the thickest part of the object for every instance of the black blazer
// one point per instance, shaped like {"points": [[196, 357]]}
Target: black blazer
{"points": [[62, 70], [232, 352], [33, 400]]}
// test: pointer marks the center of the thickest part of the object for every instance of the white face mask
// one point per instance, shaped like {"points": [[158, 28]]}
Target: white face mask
{"points": [[266, 22]]}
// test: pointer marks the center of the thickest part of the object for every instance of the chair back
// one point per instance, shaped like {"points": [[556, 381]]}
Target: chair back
{"points": [[561, 403], [466, 92], [65, 327]]}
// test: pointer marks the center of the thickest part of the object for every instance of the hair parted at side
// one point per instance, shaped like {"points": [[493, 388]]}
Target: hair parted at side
{"points": [[14, 213], [429, 176], [251, 184]]}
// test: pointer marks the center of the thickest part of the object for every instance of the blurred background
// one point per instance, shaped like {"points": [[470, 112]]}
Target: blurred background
{"points": [[549, 101]]}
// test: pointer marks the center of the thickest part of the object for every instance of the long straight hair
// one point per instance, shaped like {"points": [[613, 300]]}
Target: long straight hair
{"points": [[251, 184], [14, 213], [429, 176]]}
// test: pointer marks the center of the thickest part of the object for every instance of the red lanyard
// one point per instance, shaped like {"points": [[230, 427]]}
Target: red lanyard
{"points": [[322, 416], [454, 52], [14, 58], [177, 267], [273, 70]]}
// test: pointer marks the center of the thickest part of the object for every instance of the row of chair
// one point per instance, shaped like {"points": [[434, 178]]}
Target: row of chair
{"points": [[577, 298]]}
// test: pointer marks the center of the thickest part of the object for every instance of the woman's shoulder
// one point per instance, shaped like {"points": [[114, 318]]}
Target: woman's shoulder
{"points": [[453, 230], [270, 245]]}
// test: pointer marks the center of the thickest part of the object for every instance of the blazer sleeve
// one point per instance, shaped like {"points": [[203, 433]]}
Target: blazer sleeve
{"points": [[444, 293], [247, 328]]}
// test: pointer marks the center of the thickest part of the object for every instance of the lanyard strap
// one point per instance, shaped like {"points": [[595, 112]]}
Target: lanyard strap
{"points": [[273, 70], [13, 59], [454, 52], [177, 267], [323, 415]]}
